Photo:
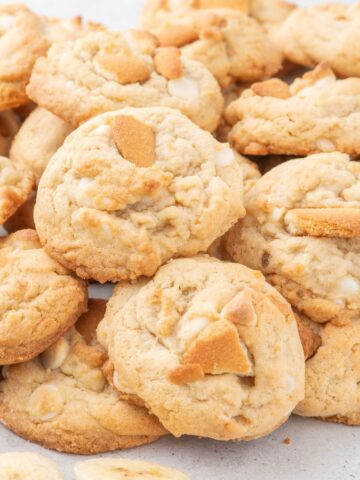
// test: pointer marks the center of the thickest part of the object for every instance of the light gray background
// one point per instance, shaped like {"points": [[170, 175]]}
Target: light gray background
{"points": [[317, 450]]}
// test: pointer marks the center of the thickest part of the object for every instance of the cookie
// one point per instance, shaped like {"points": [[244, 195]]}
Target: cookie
{"points": [[317, 113], [215, 349], [105, 71], [271, 13], [63, 400], [23, 218], [21, 43], [39, 299], [323, 33], [38, 139], [233, 46], [123, 469], [131, 189], [15, 188], [9, 125], [61, 30], [29, 466], [303, 218]]}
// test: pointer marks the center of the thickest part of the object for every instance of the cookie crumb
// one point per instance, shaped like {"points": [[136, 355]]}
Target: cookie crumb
{"points": [[287, 441]]}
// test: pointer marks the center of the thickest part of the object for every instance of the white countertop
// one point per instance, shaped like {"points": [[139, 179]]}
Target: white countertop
{"points": [[318, 450]]}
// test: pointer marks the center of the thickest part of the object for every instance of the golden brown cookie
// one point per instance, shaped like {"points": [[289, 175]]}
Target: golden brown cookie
{"points": [[9, 125]]}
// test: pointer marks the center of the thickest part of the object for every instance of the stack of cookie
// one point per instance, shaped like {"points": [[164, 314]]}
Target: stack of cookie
{"points": [[237, 296]]}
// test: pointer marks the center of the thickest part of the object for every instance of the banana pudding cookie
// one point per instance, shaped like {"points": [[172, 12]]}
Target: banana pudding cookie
{"points": [[302, 231], [64, 401], [23, 218], [27, 466], [210, 347], [39, 299], [315, 114], [131, 189], [9, 125], [21, 43], [105, 71], [38, 139], [123, 469], [271, 13], [15, 188], [323, 33], [233, 46]]}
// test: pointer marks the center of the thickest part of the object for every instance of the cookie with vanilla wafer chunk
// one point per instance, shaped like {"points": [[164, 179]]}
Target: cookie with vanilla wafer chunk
{"points": [[302, 230], [215, 349]]}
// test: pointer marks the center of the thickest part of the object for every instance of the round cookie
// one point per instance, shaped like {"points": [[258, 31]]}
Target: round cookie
{"points": [[38, 139], [131, 189], [23, 218], [63, 400], [316, 114], [39, 299], [123, 469], [302, 231], [21, 43], [210, 347], [9, 125], [105, 71], [229, 43], [29, 466], [15, 188]]}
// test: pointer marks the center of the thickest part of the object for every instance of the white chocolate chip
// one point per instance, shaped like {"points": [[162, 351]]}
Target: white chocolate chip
{"points": [[54, 356], [46, 403], [184, 88], [325, 145], [277, 213], [103, 130], [6, 23], [224, 157], [116, 380], [70, 84], [325, 82], [348, 286], [290, 382]]}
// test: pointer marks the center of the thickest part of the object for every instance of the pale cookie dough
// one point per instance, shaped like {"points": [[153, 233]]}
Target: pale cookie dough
{"points": [[233, 46], [123, 469], [105, 71], [27, 466], [63, 399], [39, 299], [210, 347], [21, 43], [323, 33], [131, 189], [16, 186], [9, 125], [38, 139], [271, 13], [317, 113], [302, 230], [23, 218]]}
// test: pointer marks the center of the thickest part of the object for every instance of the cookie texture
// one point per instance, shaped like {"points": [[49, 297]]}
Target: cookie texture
{"points": [[63, 400], [39, 138], [29, 466], [323, 33], [271, 13], [105, 71], [15, 187], [317, 113], [39, 299], [23, 218], [21, 43], [215, 349], [233, 46], [131, 189], [302, 220], [9, 125], [121, 469]]}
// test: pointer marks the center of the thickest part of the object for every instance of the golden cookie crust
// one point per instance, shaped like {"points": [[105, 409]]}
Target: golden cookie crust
{"points": [[135, 188], [302, 219], [105, 71], [211, 337], [48, 299], [63, 400]]}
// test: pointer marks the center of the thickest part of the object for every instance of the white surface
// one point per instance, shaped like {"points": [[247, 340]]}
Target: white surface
{"points": [[317, 451]]}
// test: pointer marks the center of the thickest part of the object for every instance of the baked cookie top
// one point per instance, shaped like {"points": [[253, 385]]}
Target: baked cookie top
{"points": [[105, 71], [63, 400], [21, 43], [38, 139], [26, 465], [302, 231], [16, 186], [9, 125], [315, 114], [233, 46], [215, 349], [131, 189], [323, 33], [123, 469], [271, 13], [39, 299]]}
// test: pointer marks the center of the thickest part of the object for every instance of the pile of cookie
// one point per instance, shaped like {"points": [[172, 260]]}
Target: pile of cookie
{"points": [[237, 298]]}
